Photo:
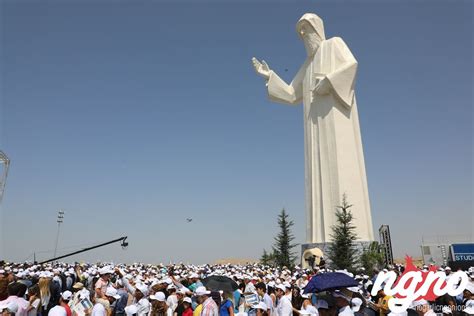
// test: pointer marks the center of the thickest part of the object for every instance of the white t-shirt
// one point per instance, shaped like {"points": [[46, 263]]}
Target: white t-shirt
{"points": [[143, 307], [172, 302], [284, 308], [99, 310], [57, 311], [346, 311], [34, 310]]}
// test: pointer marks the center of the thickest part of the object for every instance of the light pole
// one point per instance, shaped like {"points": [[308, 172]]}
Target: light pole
{"points": [[3, 178], [59, 221]]}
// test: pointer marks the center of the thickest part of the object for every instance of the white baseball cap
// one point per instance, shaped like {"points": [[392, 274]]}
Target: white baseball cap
{"points": [[470, 288], [158, 296], [469, 307], [112, 292], [281, 287], [201, 290], [105, 270], [142, 288], [66, 295], [356, 303], [260, 305], [187, 300], [417, 303]]}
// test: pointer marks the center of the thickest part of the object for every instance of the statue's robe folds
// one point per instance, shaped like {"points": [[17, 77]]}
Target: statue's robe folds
{"points": [[334, 160]]}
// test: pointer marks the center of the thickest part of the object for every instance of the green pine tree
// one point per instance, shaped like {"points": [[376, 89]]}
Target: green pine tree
{"points": [[267, 258], [342, 251], [264, 259], [372, 258], [282, 250]]}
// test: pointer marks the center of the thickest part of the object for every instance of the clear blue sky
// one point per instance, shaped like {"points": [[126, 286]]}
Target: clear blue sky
{"points": [[134, 115]]}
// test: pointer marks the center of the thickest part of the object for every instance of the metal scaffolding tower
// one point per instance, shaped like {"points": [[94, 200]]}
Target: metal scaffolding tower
{"points": [[386, 243]]}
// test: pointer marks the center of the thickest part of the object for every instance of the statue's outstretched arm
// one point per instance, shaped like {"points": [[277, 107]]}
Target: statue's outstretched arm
{"points": [[278, 90], [281, 92]]}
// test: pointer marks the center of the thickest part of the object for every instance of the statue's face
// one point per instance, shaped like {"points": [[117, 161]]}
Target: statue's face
{"points": [[310, 38]]}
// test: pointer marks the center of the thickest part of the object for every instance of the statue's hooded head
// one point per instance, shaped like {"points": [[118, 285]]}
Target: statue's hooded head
{"points": [[310, 28]]}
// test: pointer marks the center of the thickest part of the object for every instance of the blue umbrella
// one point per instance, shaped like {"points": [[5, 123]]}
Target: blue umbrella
{"points": [[329, 281]]}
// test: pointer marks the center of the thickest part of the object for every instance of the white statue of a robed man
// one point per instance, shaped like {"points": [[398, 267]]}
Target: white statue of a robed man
{"points": [[333, 149]]}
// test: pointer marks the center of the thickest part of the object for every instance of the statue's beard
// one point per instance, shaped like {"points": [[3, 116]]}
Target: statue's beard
{"points": [[311, 47]]}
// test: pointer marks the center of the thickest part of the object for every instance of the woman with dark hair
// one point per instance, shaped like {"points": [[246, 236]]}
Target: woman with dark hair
{"points": [[296, 300], [237, 296], [187, 303], [34, 300], [227, 306], [271, 292]]}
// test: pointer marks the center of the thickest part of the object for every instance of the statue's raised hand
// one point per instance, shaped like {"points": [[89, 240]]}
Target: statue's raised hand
{"points": [[261, 68]]}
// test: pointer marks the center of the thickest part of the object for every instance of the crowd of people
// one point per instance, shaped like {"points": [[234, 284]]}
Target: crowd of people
{"points": [[61, 289]]}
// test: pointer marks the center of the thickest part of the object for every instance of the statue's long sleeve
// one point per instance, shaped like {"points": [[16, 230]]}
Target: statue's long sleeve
{"points": [[281, 92], [343, 78]]}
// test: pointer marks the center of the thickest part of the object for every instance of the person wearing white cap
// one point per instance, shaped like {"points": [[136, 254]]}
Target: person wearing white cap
{"points": [[194, 281], [356, 304], [342, 299], [423, 308], [102, 283], [172, 299], [140, 293], [101, 308], [209, 306], [159, 306], [284, 307], [64, 301], [249, 286], [121, 303], [468, 293], [263, 296], [187, 303], [307, 307], [261, 309], [469, 308]]}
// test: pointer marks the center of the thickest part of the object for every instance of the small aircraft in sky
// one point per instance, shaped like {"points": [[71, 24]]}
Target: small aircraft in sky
{"points": [[189, 220]]}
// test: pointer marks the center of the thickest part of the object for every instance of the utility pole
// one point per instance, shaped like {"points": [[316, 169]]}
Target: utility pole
{"points": [[3, 178], [59, 221]]}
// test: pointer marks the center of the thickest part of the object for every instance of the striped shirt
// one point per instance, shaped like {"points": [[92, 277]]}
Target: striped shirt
{"points": [[209, 308]]}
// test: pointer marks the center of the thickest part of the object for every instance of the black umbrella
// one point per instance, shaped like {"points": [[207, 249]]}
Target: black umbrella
{"points": [[220, 283]]}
